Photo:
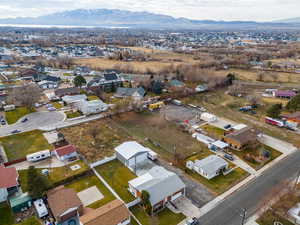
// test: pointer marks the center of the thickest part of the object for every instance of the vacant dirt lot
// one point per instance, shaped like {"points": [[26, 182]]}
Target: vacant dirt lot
{"points": [[95, 140]]}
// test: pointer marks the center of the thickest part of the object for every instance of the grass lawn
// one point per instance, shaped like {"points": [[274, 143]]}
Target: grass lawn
{"points": [[30, 221], [214, 132], [268, 219], [165, 217], [257, 165], [19, 145], [71, 114], [98, 147], [92, 97], [117, 176], [6, 215], [56, 174], [89, 181], [57, 105], [220, 183], [15, 115]]}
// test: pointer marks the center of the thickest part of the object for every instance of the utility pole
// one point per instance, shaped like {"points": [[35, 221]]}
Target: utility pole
{"points": [[243, 215]]}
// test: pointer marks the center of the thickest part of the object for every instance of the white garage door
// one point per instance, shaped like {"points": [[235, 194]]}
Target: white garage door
{"points": [[174, 197]]}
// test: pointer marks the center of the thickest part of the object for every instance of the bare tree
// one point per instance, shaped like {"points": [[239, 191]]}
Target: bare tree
{"points": [[25, 96]]}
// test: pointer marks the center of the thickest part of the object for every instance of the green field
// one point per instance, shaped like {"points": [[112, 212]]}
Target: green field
{"points": [[71, 114], [117, 176], [165, 217], [89, 181], [56, 174], [14, 115], [6, 215], [19, 145]]}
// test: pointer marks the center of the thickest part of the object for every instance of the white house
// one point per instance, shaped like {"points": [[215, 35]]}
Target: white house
{"points": [[47, 84], [162, 185], [65, 152], [131, 154], [92, 107], [70, 99], [208, 167], [8, 182], [208, 117]]}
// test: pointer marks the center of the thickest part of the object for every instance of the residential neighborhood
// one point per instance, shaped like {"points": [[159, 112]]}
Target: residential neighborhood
{"points": [[117, 126]]}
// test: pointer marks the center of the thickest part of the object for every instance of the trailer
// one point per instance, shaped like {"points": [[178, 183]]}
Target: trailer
{"points": [[274, 122], [37, 156]]}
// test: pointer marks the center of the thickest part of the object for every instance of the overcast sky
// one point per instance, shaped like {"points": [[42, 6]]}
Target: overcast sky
{"points": [[258, 10]]}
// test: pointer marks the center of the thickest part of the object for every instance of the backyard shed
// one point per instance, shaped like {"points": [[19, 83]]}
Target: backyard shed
{"points": [[20, 202]]}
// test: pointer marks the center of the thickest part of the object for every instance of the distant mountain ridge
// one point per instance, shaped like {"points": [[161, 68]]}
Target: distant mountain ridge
{"points": [[290, 20], [124, 18]]}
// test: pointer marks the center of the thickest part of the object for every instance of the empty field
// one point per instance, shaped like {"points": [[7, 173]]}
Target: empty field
{"points": [[95, 140], [19, 145], [164, 137]]}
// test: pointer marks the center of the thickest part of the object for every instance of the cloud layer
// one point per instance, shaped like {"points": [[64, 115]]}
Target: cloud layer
{"points": [[258, 10]]}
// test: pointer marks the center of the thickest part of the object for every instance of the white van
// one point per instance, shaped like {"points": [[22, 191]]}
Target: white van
{"points": [[152, 155], [40, 208], [38, 156]]}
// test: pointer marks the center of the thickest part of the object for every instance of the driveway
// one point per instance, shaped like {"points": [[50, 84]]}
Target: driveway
{"points": [[195, 191], [279, 145], [47, 163], [35, 121]]}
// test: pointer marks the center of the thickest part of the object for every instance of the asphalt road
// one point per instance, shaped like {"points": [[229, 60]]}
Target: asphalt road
{"points": [[35, 121], [229, 211]]}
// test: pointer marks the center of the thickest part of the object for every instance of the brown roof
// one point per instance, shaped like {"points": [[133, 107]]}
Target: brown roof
{"points": [[295, 115], [65, 150], [110, 214], [244, 135], [61, 199], [8, 177]]}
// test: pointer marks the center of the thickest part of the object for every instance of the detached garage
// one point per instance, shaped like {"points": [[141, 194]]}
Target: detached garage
{"points": [[132, 154]]}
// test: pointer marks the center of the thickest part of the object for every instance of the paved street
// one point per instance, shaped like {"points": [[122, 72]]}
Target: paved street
{"points": [[35, 120], [229, 210]]}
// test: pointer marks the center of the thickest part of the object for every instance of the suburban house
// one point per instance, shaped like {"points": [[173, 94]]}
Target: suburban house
{"points": [[108, 82], [135, 93], [65, 152], [208, 167], [132, 154], [66, 91], [47, 84], [113, 213], [242, 138], [92, 107], [64, 204], [70, 99], [9, 184], [162, 185]]}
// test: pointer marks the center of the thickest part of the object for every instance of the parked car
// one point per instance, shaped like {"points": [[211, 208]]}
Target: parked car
{"points": [[229, 157], [3, 122], [51, 109], [15, 131], [24, 120], [227, 126], [193, 221]]}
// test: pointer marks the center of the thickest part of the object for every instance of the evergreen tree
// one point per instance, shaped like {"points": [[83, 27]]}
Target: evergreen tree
{"points": [[79, 81], [37, 183], [274, 111], [294, 104]]}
